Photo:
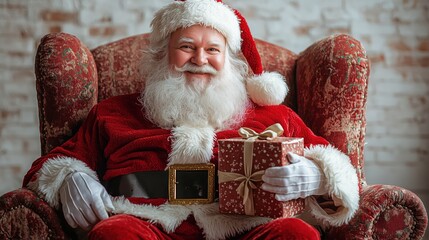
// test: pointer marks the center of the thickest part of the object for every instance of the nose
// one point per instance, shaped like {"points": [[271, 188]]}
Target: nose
{"points": [[200, 57]]}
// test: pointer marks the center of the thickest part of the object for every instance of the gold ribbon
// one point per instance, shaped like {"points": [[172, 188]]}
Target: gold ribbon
{"points": [[269, 133], [247, 181]]}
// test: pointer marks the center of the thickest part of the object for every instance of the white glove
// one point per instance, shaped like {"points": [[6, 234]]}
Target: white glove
{"points": [[300, 179], [85, 201]]}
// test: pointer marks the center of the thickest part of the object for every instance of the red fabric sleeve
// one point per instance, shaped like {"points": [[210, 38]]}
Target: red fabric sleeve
{"points": [[297, 128], [292, 124]]}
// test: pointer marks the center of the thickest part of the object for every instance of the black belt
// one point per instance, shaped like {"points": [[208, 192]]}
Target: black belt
{"points": [[150, 184], [181, 184]]}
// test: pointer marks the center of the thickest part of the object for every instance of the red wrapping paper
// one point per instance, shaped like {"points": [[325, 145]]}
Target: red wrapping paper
{"points": [[266, 153]]}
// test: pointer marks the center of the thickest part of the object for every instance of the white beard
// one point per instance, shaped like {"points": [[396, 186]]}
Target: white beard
{"points": [[170, 100]]}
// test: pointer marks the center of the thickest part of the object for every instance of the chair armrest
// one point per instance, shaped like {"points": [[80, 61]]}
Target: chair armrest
{"points": [[23, 215], [332, 79], [386, 212], [67, 87]]}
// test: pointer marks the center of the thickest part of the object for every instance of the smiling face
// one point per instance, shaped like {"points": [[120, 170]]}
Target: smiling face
{"points": [[197, 51], [187, 75]]}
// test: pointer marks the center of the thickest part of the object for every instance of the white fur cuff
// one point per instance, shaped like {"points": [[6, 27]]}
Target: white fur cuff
{"points": [[342, 184], [52, 174]]}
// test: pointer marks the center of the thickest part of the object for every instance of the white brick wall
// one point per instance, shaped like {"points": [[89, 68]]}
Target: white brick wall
{"points": [[394, 32]]}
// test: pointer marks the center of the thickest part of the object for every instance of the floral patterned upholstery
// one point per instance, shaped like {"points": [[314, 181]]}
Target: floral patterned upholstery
{"points": [[328, 89]]}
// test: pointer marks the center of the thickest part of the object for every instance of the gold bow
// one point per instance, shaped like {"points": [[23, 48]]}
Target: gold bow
{"points": [[247, 181], [269, 133]]}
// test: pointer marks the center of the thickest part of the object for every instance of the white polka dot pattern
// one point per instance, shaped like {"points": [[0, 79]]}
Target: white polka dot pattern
{"points": [[265, 154]]}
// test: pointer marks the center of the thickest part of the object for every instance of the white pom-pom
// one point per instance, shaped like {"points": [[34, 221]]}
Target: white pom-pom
{"points": [[269, 88]]}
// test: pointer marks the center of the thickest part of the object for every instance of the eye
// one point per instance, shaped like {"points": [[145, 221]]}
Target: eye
{"points": [[213, 50], [186, 47]]}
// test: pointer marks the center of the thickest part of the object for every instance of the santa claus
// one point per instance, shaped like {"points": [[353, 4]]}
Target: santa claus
{"points": [[198, 89]]}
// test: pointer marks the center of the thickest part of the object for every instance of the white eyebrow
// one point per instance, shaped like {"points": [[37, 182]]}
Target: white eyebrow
{"points": [[215, 44], [186, 40], [190, 40]]}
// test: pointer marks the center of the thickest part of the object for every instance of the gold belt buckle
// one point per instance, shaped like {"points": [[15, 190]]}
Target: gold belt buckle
{"points": [[191, 183]]}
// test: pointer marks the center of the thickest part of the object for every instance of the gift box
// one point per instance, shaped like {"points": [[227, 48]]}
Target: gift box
{"points": [[241, 165]]}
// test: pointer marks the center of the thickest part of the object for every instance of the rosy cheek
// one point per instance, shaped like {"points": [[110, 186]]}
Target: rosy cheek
{"points": [[177, 59], [218, 63]]}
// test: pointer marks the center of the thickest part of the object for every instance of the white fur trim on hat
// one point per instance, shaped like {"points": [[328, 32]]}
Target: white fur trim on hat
{"points": [[183, 14], [269, 88]]}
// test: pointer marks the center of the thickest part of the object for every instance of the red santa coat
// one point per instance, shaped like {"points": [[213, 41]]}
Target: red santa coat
{"points": [[116, 139]]}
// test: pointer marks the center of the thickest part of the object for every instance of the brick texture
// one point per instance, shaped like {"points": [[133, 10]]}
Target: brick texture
{"points": [[394, 32]]}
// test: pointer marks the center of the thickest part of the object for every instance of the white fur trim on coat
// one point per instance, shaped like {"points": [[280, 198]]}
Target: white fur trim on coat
{"points": [[222, 226], [168, 216], [214, 224], [342, 185], [269, 88], [52, 174], [183, 14], [191, 145]]}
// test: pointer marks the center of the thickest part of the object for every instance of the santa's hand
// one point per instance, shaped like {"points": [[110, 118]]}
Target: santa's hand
{"points": [[300, 179], [84, 200]]}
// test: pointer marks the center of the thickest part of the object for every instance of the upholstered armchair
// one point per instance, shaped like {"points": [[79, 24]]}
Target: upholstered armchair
{"points": [[328, 89]]}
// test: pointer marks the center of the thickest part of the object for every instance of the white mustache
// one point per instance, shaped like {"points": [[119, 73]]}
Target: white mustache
{"points": [[196, 69]]}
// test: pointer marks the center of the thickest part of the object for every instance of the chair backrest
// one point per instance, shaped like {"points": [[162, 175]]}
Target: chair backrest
{"points": [[70, 79]]}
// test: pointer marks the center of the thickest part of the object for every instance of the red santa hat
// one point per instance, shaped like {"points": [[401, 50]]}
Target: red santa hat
{"points": [[264, 88]]}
